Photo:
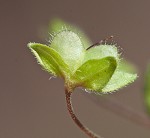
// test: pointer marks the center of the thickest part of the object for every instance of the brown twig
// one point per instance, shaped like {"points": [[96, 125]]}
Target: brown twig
{"points": [[74, 117], [101, 42]]}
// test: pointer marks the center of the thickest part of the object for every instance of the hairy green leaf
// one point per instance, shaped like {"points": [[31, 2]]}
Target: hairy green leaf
{"points": [[70, 48], [58, 25], [101, 51], [94, 74], [126, 66], [49, 59], [119, 80]]}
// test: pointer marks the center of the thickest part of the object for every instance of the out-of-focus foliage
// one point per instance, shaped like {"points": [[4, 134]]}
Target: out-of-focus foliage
{"points": [[147, 89]]}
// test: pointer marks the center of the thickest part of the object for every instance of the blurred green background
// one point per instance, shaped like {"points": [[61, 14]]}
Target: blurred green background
{"points": [[31, 105]]}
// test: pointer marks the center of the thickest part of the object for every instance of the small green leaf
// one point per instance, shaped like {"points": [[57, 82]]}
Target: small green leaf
{"points": [[94, 74], [147, 90], [70, 48], [119, 80], [58, 25], [126, 66], [101, 51], [49, 59]]}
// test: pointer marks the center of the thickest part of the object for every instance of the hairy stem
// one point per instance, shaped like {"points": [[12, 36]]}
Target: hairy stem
{"points": [[74, 117]]}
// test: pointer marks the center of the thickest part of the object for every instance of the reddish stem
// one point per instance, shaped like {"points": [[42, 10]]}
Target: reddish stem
{"points": [[75, 119]]}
